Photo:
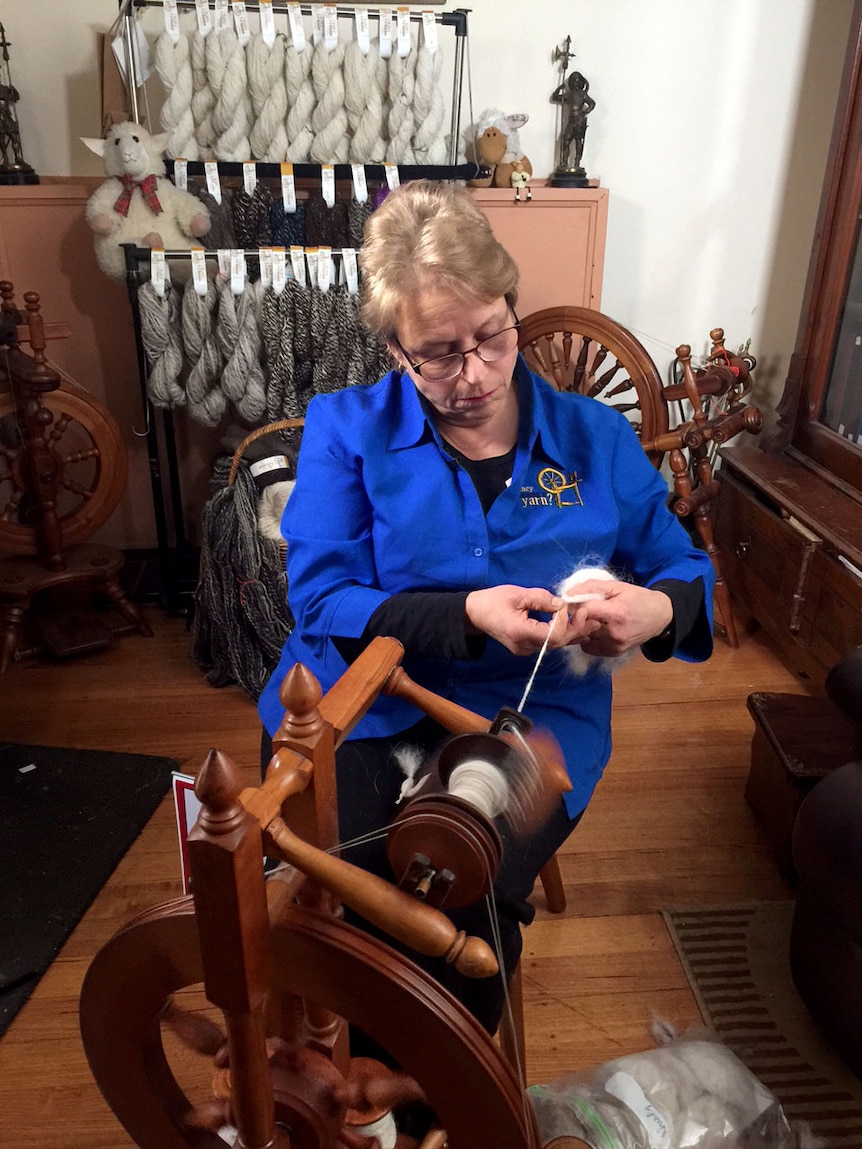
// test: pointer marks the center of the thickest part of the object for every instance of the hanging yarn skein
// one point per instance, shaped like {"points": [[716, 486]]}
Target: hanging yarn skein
{"points": [[365, 84], [174, 66], [329, 118], [232, 111], [203, 98], [267, 88], [162, 340], [429, 108], [207, 404], [402, 82], [239, 338], [300, 102]]}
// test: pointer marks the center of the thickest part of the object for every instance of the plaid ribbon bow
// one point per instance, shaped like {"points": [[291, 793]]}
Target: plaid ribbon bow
{"points": [[148, 191]]}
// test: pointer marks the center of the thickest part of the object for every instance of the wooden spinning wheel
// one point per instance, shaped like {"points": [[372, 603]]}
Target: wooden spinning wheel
{"points": [[275, 958], [87, 451], [577, 349]]}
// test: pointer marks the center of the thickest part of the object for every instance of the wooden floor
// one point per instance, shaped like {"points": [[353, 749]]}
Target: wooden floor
{"points": [[668, 827]]}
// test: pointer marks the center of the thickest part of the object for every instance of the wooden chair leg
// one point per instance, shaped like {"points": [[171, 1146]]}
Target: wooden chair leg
{"points": [[512, 1041], [552, 884]]}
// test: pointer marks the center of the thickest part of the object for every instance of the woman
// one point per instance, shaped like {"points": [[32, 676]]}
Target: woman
{"points": [[442, 506]]}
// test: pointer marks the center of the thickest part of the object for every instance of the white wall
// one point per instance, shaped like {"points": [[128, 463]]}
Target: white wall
{"points": [[711, 130]]}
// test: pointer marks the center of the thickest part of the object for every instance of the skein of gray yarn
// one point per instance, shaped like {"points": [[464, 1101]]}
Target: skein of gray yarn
{"points": [[221, 233], [285, 323], [162, 340], [241, 616], [239, 338], [357, 215], [207, 403]]}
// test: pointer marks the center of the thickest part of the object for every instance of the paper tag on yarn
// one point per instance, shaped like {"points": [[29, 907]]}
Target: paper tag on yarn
{"points": [[324, 268], [212, 178], [158, 271], [316, 23], [223, 21], [403, 31], [288, 188], [351, 272], [172, 20], [223, 256], [297, 263], [249, 177], [181, 173], [199, 270], [327, 184], [237, 271], [330, 27], [264, 255], [240, 19], [429, 29], [297, 28], [279, 269], [624, 1087], [363, 35], [392, 177], [311, 259], [384, 44], [204, 16], [267, 23], [360, 184]]}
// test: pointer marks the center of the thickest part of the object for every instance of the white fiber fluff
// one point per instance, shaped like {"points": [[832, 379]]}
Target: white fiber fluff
{"points": [[578, 659]]}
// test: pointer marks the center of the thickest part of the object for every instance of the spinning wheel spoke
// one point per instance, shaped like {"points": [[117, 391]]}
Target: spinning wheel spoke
{"points": [[580, 350], [82, 436]]}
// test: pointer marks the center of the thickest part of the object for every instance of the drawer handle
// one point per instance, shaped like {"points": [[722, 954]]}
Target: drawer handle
{"points": [[742, 549]]}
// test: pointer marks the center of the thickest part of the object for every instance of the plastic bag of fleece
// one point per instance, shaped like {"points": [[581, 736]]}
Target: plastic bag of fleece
{"points": [[691, 1092]]}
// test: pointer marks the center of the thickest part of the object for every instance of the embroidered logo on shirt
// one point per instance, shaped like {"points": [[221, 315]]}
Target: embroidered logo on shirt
{"points": [[553, 484]]}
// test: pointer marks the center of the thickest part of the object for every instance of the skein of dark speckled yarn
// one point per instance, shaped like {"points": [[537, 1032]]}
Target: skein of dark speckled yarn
{"points": [[326, 226], [287, 227], [357, 214], [251, 217]]}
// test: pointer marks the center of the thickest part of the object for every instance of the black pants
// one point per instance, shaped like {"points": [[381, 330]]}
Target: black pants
{"points": [[369, 780]]}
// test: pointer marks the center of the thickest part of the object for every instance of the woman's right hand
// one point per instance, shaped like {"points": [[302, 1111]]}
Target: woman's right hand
{"points": [[503, 612]]}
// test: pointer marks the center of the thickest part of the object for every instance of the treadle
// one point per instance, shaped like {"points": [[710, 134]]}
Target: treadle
{"points": [[69, 634]]}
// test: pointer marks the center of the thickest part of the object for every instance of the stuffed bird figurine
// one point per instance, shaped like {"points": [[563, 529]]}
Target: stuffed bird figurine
{"points": [[137, 203]]}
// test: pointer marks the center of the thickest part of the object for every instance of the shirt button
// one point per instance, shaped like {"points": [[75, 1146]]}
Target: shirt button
{"points": [[478, 552]]}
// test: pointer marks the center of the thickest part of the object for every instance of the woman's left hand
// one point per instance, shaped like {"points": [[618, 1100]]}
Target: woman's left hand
{"points": [[622, 617]]}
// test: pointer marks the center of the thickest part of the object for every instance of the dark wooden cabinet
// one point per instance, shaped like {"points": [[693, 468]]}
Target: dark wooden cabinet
{"points": [[789, 516]]}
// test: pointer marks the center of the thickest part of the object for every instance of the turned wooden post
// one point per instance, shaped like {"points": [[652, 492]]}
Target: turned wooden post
{"points": [[226, 860]]}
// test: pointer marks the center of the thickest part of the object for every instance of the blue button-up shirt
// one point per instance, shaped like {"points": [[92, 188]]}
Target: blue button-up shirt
{"points": [[380, 507]]}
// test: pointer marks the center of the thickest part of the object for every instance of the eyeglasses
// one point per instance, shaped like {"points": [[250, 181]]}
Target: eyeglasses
{"points": [[443, 367]]}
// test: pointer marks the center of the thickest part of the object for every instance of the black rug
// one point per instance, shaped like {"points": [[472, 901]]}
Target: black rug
{"points": [[737, 962], [67, 817]]}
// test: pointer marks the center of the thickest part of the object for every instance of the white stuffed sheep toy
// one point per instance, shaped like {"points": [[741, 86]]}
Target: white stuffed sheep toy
{"points": [[137, 203]]}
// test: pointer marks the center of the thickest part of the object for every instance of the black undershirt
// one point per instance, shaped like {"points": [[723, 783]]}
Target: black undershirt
{"points": [[430, 624]]}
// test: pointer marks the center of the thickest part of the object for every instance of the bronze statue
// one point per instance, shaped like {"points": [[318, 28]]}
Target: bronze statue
{"points": [[573, 93], [13, 169]]}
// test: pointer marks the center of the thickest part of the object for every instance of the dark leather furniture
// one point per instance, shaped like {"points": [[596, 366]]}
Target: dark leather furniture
{"points": [[826, 938]]}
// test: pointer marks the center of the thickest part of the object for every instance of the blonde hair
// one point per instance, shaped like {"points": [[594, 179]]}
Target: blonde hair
{"points": [[428, 233]]}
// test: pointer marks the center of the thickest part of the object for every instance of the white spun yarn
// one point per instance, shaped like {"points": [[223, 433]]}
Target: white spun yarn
{"points": [[207, 404], [267, 88], [384, 1129], [365, 82], [401, 123], [300, 102], [231, 112], [203, 98], [173, 64], [329, 118], [429, 109], [482, 785], [239, 338]]}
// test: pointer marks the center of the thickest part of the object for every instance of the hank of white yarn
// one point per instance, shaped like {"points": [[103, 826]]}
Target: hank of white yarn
{"points": [[232, 111], [174, 66], [329, 118], [268, 91], [301, 102]]}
